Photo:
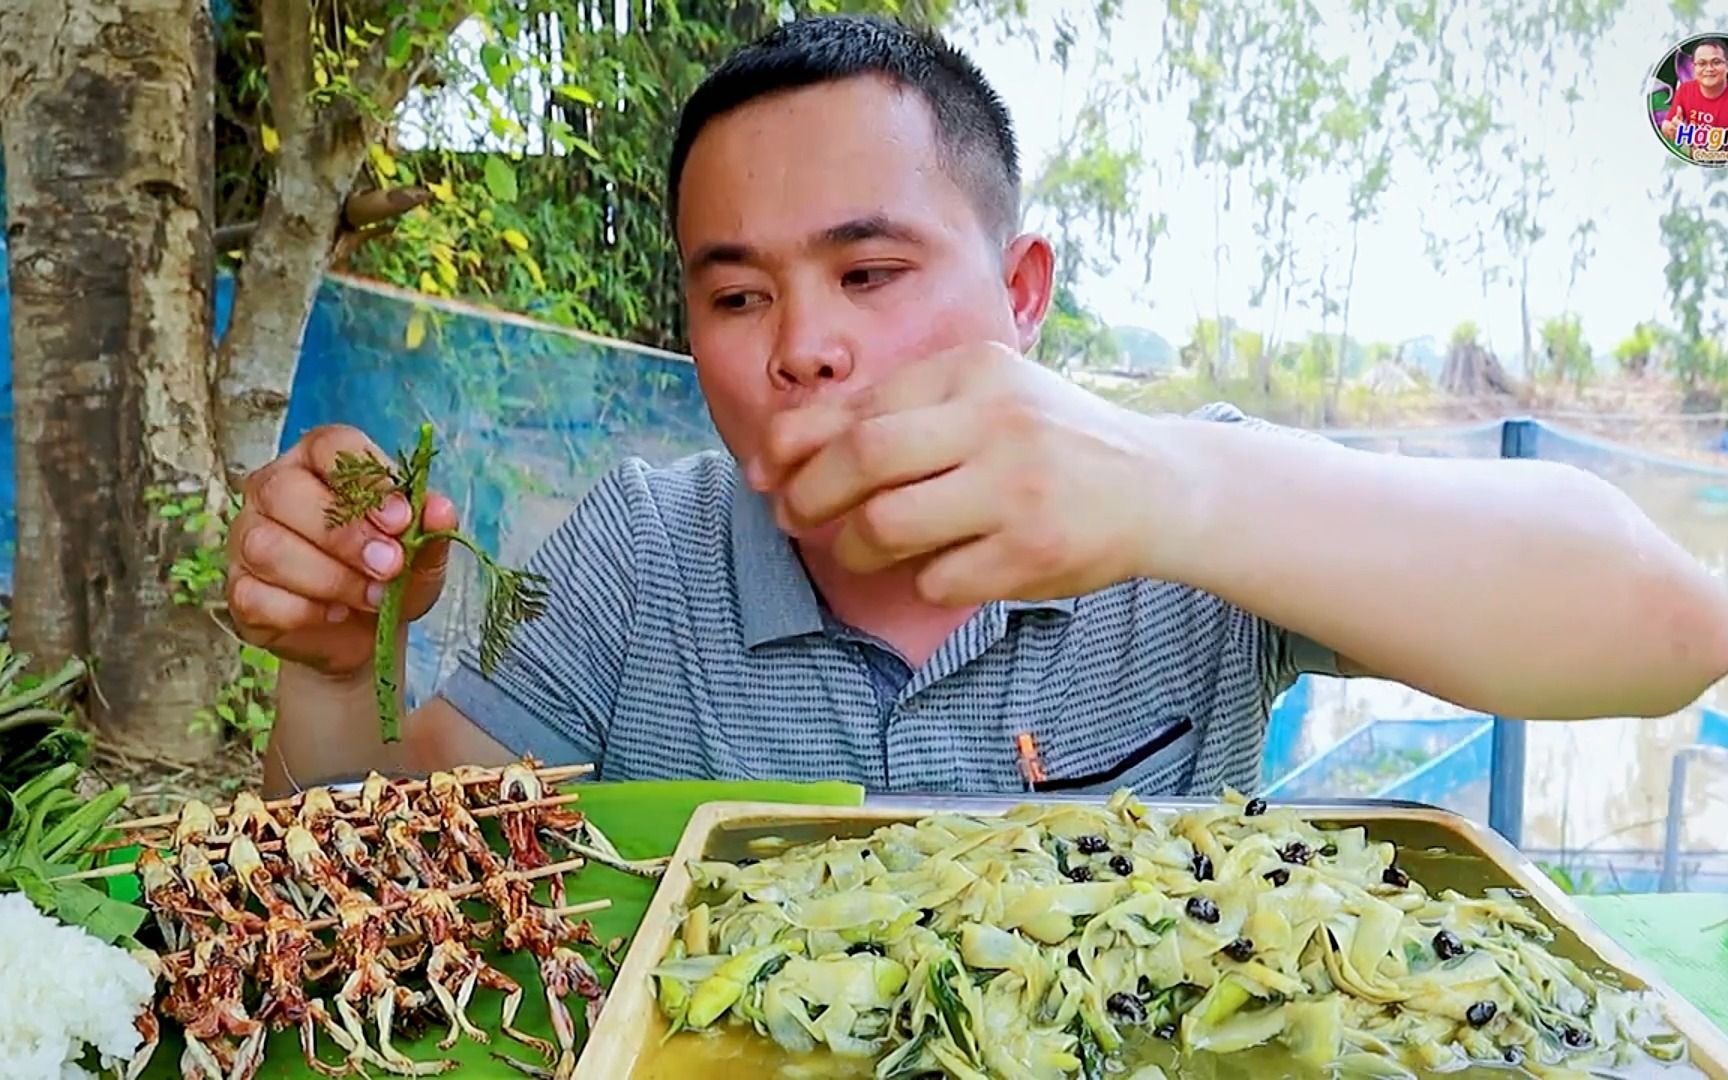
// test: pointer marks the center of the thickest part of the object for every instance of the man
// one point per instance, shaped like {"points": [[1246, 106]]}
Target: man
{"points": [[1700, 100], [929, 563]]}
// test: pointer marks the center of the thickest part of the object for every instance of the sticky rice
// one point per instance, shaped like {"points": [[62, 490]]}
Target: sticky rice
{"points": [[63, 993]]}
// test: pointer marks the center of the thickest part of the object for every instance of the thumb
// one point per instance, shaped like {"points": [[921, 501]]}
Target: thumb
{"points": [[426, 576]]}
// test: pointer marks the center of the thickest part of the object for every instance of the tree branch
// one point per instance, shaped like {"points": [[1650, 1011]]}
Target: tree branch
{"points": [[323, 148], [365, 208], [286, 26]]}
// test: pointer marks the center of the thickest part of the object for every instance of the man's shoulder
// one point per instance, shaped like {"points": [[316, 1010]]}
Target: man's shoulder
{"points": [[638, 508], [678, 492]]}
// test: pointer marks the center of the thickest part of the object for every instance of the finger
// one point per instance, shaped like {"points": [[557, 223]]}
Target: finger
{"points": [[295, 498], [906, 522], [319, 449], [978, 573], [265, 612], [793, 436], [283, 558], [438, 514], [318, 453], [876, 453]]}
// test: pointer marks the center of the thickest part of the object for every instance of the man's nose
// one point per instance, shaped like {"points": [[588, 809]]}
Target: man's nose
{"points": [[809, 351]]}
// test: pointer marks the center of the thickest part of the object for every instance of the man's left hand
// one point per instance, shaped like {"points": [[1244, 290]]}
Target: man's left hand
{"points": [[1006, 480]]}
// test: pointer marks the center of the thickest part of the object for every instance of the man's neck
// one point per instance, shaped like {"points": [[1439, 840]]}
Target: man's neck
{"points": [[1720, 90], [885, 605]]}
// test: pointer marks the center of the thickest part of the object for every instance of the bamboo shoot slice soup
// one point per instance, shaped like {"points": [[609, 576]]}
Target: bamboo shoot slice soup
{"points": [[1085, 941]]}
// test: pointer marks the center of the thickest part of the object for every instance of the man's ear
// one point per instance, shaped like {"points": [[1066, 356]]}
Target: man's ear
{"points": [[1029, 269]]}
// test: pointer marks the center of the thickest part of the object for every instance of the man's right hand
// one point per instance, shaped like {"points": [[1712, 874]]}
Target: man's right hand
{"points": [[309, 593], [1671, 126]]}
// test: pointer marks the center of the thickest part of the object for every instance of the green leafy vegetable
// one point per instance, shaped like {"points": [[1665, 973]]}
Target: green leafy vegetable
{"points": [[361, 484], [107, 919]]}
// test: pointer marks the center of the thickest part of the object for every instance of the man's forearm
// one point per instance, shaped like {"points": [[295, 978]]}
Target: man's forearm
{"points": [[1524, 588], [326, 730]]}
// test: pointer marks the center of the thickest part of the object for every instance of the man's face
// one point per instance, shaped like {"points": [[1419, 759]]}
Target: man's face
{"points": [[824, 245], [1708, 68]]}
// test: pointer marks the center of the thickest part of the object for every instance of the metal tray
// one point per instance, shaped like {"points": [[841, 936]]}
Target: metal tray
{"points": [[631, 1025]]}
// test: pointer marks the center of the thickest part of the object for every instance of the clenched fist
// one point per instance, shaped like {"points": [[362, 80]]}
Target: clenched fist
{"points": [[1006, 480], [310, 593]]}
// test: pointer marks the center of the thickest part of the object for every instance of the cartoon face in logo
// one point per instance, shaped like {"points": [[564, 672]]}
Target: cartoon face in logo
{"points": [[1688, 100]]}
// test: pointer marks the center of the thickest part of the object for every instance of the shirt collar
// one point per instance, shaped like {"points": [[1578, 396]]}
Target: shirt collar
{"points": [[775, 598]]}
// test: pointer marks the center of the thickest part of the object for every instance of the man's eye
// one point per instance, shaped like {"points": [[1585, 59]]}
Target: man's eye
{"points": [[869, 277], [738, 301]]}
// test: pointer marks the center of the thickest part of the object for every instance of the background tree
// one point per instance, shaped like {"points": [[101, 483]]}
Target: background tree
{"points": [[1694, 228], [104, 109], [120, 393], [1565, 356], [1085, 197]]}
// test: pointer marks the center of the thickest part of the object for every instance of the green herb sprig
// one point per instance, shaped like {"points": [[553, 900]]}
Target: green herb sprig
{"points": [[361, 483]]}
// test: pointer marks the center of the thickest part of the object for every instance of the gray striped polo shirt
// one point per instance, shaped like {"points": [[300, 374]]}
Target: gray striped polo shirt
{"points": [[684, 640]]}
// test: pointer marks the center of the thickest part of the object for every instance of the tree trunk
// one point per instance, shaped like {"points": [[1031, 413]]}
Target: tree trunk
{"points": [[321, 152], [106, 113], [1337, 392], [1524, 314]]}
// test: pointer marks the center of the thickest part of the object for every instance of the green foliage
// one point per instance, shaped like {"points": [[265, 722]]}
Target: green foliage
{"points": [[1695, 234], [1206, 354], [198, 574], [1638, 352], [1073, 336], [1566, 356], [245, 705], [1085, 195], [546, 150], [1584, 882], [1465, 335]]}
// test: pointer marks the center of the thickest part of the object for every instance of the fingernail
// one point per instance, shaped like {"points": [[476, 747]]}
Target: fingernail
{"points": [[336, 612], [377, 556], [394, 512], [375, 594]]}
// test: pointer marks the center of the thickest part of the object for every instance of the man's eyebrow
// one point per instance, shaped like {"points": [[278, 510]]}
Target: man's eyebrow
{"points": [[855, 231], [872, 227], [722, 254]]}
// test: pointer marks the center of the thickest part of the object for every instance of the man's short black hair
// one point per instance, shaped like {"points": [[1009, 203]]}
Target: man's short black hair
{"points": [[973, 129], [1721, 46]]}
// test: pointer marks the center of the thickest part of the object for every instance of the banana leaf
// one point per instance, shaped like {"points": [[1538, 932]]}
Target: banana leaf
{"points": [[643, 820]]}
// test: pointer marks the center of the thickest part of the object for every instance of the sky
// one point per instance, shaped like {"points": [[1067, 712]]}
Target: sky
{"points": [[1612, 176]]}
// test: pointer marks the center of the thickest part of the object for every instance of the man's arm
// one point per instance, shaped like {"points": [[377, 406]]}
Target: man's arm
{"points": [[1527, 588], [326, 731]]}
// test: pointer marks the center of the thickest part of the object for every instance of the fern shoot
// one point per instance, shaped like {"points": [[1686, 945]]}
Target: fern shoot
{"points": [[361, 484]]}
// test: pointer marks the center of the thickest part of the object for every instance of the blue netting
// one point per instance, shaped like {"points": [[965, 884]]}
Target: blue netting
{"points": [[528, 417]]}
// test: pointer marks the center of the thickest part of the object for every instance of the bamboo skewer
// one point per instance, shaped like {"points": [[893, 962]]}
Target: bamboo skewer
{"points": [[551, 774], [460, 892], [220, 844]]}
